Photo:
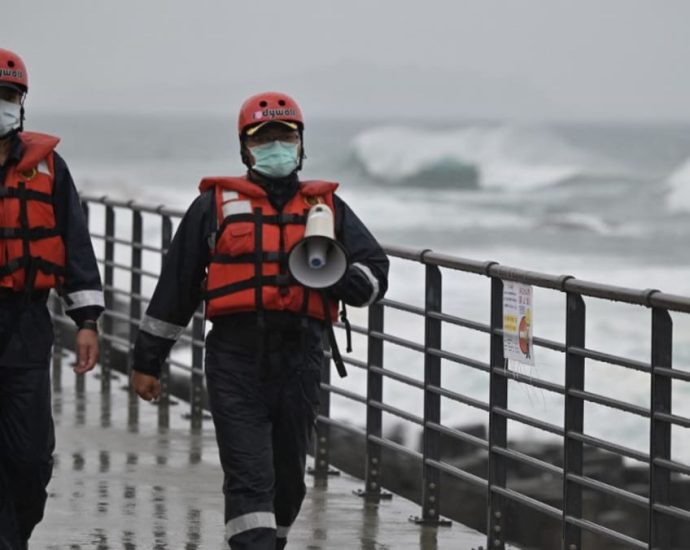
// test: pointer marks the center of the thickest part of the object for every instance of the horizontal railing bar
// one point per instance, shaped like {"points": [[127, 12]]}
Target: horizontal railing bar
{"points": [[528, 501], [524, 419], [387, 443], [342, 425], [401, 306], [608, 489], [460, 359], [129, 268], [538, 342], [482, 327], [529, 460], [396, 411], [549, 344], [606, 532], [179, 364], [611, 359], [121, 292], [344, 393], [459, 434], [353, 327], [354, 362], [564, 283], [671, 302], [119, 315], [611, 447], [459, 321], [116, 240], [405, 253], [674, 511], [388, 373], [673, 419], [530, 380], [397, 341], [460, 398], [117, 340], [673, 466], [187, 338], [132, 205], [457, 473], [676, 374], [609, 402]]}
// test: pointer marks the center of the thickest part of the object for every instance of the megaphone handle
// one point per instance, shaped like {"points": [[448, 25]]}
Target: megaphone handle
{"points": [[348, 328], [335, 352]]}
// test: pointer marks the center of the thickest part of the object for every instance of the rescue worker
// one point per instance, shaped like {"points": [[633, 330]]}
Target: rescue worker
{"points": [[44, 244], [264, 353]]}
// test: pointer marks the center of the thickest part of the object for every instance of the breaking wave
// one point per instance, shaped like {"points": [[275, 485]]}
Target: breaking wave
{"points": [[678, 183], [506, 157]]}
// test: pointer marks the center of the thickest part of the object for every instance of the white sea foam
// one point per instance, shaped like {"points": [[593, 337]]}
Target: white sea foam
{"points": [[678, 199], [508, 157]]}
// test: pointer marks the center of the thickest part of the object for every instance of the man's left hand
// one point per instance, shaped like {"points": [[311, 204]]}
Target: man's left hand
{"points": [[87, 350]]}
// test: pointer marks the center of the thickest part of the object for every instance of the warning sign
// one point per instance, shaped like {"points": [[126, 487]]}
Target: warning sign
{"points": [[517, 322]]}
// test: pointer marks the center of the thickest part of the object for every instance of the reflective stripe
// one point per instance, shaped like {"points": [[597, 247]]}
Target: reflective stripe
{"points": [[230, 196], [160, 328], [282, 531], [246, 522], [236, 207], [83, 298], [43, 167], [372, 280]]}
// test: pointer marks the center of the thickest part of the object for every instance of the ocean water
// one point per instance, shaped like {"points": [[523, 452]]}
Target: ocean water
{"points": [[603, 202]]}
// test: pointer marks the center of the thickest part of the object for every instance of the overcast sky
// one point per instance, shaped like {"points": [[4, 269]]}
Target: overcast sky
{"points": [[516, 59]]}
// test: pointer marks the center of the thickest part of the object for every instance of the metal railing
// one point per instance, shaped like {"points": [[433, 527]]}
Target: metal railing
{"points": [[663, 519]]}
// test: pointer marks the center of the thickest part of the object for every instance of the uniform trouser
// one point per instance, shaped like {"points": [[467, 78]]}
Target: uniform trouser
{"points": [[27, 441], [263, 411]]}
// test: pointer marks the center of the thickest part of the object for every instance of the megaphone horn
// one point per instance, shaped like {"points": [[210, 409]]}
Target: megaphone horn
{"points": [[318, 260]]}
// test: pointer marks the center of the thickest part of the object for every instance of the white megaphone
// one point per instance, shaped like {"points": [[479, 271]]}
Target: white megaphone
{"points": [[318, 260]]}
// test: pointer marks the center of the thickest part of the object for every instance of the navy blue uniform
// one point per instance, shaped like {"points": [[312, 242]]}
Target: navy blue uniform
{"points": [[27, 437], [263, 413]]}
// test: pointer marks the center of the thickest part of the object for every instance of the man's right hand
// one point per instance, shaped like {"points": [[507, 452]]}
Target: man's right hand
{"points": [[147, 387]]}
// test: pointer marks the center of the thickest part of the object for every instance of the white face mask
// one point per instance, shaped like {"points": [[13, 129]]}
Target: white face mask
{"points": [[10, 117]]}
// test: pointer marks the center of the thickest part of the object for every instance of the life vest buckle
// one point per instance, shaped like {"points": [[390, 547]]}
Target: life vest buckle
{"points": [[28, 175]]}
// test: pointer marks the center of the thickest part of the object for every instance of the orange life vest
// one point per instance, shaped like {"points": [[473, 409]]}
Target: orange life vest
{"points": [[248, 267], [32, 252]]}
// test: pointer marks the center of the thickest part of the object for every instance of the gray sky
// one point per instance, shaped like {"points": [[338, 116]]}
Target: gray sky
{"points": [[516, 59]]}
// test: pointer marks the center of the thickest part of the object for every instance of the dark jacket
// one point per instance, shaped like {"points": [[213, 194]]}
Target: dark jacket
{"points": [[25, 326], [179, 289]]}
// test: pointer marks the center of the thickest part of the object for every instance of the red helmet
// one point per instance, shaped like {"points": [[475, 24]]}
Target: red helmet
{"points": [[269, 107], [13, 71]]}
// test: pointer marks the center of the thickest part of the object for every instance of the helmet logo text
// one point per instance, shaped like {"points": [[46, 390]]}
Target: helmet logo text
{"points": [[12, 73], [274, 113]]}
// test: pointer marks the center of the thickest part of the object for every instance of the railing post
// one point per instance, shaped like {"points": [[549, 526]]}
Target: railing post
{"points": [[197, 377], [372, 468], [431, 482], [322, 458], [498, 425], [573, 419], [164, 400], [109, 298], [660, 430], [134, 307]]}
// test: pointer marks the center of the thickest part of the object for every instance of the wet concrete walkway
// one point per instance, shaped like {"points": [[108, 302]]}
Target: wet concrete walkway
{"points": [[120, 484]]}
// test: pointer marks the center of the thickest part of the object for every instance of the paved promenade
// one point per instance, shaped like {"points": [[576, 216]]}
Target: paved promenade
{"points": [[120, 484]]}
